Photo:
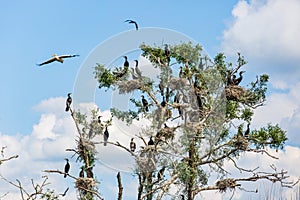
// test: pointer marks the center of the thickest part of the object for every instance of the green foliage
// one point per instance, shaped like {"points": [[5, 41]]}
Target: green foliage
{"points": [[127, 116], [49, 195], [272, 136], [104, 76], [257, 92]]}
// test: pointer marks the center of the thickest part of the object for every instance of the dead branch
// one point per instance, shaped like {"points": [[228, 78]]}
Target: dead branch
{"points": [[7, 159], [59, 172], [119, 186]]}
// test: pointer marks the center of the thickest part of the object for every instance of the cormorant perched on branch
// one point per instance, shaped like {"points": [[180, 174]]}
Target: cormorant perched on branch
{"points": [[68, 102], [247, 132], [237, 81], [167, 53], [99, 119], [145, 103], [105, 136], [134, 76], [126, 63], [89, 172], [137, 70], [132, 145], [180, 72], [150, 142], [67, 167], [160, 173], [163, 103], [57, 58], [81, 173], [132, 22]]}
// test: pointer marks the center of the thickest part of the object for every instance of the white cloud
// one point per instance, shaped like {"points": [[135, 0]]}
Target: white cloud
{"points": [[266, 32]]}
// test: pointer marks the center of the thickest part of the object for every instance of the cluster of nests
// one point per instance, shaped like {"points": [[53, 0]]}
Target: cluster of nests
{"points": [[225, 184], [85, 145]]}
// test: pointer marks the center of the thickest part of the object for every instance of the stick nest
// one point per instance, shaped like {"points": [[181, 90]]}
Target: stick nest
{"points": [[235, 92], [225, 184], [128, 86], [85, 183]]}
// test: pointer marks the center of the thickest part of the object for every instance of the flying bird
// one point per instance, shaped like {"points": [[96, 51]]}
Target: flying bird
{"points": [[67, 167], [57, 58], [68, 102], [145, 103], [105, 136], [132, 145], [65, 192], [132, 22]]}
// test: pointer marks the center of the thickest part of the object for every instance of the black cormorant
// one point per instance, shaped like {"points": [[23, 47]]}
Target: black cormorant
{"points": [[137, 70], [167, 53], [132, 145], [237, 81], [132, 22], [181, 72], [126, 63], [160, 173], [163, 103], [105, 136], [150, 142], [247, 132], [99, 119], [134, 76], [57, 58], [81, 173], [145, 103], [68, 102], [89, 172], [67, 167]]}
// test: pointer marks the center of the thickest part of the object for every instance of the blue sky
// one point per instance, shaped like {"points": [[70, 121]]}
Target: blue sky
{"points": [[266, 32]]}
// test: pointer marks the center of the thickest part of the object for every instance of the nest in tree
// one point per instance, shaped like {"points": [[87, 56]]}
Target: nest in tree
{"points": [[241, 143], [178, 83], [85, 145], [224, 184], [84, 184], [128, 86], [235, 92]]}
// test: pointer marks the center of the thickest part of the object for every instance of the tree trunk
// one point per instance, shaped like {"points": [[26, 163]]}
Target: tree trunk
{"points": [[190, 184]]}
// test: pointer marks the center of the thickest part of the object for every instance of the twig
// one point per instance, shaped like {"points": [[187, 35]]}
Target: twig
{"points": [[59, 172]]}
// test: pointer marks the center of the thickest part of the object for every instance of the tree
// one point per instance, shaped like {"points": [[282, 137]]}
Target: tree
{"points": [[200, 117]]}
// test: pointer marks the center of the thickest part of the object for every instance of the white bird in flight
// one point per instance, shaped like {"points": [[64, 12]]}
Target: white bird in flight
{"points": [[57, 58]]}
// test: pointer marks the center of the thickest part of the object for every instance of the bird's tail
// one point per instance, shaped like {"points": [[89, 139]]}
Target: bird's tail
{"points": [[105, 143], [67, 108], [65, 176]]}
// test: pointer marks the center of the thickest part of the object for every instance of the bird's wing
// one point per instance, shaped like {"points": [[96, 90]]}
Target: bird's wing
{"points": [[68, 56], [136, 26], [47, 62]]}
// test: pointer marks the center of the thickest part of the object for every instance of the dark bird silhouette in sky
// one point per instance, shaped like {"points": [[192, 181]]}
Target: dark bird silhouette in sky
{"points": [[132, 145], [65, 192], [57, 58], [68, 102], [145, 103], [67, 167], [132, 22], [151, 142], [105, 136], [236, 81]]}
